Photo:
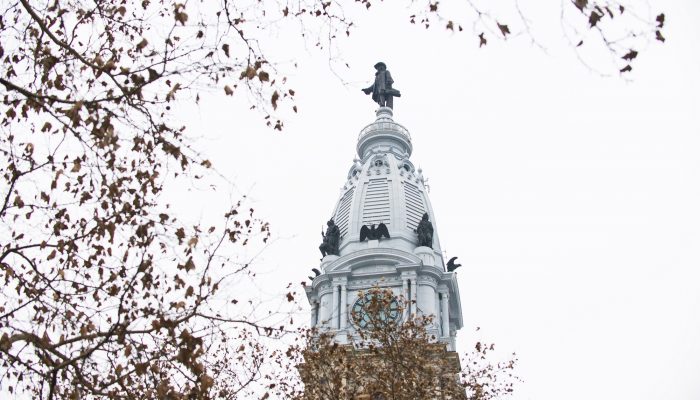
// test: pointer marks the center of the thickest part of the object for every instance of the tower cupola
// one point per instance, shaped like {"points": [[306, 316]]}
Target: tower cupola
{"points": [[384, 187]]}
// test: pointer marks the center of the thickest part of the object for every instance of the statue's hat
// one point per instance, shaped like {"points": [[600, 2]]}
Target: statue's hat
{"points": [[379, 64]]}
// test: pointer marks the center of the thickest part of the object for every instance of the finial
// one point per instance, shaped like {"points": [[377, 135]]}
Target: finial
{"points": [[382, 91]]}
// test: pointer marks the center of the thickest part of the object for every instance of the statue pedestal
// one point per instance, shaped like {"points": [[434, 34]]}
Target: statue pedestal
{"points": [[427, 255], [328, 260], [372, 244]]}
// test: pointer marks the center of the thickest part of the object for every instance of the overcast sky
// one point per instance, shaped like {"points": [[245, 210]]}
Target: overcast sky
{"points": [[572, 200]]}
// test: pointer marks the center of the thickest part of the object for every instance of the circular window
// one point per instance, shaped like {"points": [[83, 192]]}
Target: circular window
{"points": [[368, 308], [378, 163]]}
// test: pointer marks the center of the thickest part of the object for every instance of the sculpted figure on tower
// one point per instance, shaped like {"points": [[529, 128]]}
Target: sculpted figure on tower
{"points": [[331, 239], [425, 232], [381, 90]]}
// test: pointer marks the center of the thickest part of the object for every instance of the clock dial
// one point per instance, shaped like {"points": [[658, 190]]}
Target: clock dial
{"points": [[360, 311]]}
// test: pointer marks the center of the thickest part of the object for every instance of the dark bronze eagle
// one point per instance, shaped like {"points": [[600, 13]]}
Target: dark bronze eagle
{"points": [[374, 233]]}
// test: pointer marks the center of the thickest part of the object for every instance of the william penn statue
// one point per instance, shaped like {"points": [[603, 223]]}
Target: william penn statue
{"points": [[381, 90]]}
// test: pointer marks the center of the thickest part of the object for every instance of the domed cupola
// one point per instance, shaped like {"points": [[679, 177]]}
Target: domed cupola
{"points": [[383, 187]]}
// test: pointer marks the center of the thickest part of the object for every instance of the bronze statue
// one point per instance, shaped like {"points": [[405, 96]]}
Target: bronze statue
{"points": [[425, 232], [381, 90], [372, 233], [316, 274], [451, 266], [331, 239]]}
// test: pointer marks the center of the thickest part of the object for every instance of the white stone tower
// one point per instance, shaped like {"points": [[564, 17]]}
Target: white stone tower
{"points": [[383, 186]]}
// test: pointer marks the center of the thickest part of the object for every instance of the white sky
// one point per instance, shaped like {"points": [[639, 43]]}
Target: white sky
{"points": [[572, 201]]}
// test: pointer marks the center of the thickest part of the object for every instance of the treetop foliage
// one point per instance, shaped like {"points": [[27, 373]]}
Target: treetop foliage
{"points": [[396, 360]]}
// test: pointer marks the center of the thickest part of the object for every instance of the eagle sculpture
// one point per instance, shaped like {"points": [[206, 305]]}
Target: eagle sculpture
{"points": [[372, 233], [451, 266], [316, 272]]}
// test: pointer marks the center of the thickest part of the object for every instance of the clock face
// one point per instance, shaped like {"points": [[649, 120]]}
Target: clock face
{"points": [[390, 312]]}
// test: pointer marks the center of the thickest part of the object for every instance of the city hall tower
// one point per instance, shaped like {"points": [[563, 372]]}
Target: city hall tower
{"points": [[383, 233]]}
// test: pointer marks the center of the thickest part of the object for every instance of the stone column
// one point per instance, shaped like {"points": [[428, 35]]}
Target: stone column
{"points": [[445, 308], [314, 313], [343, 305], [406, 305], [414, 295], [336, 307]]}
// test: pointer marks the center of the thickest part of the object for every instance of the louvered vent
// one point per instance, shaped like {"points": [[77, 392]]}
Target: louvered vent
{"points": [[414, 205], [343, 213], [376, 208]]}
